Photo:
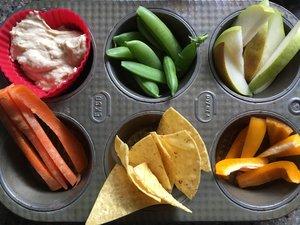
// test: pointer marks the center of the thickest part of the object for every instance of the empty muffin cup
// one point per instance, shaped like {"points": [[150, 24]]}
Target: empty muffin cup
{"points": [[264, 197], [124, 80], [23, 184], [284, 82]]}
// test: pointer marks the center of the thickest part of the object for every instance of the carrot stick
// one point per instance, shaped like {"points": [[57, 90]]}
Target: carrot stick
{"points": [[29, 153], [72, 146], [47, 144], [14, 113]]}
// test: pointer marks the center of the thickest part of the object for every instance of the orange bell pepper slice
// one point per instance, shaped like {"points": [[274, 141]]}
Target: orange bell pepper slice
{"points": [[72, 146], [287, 147], [29, 152], [273, 171], [289, 152], [227, 166], [277, 130], [236, 148], [255, 135]]}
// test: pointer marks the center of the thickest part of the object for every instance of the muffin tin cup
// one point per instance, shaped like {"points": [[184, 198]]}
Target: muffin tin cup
{"points": [[55, 18], [264, 197], [284, 82], [104, 109], [24, 186], [131, 131], [124, 80]]}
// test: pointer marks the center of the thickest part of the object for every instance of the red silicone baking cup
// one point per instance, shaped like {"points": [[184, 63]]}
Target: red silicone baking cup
{"points": [[55, 18]]}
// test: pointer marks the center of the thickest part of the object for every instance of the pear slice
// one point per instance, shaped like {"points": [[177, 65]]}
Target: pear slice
{"points": [[228, 58], [252, 19], [264, 43], [287, 49]]}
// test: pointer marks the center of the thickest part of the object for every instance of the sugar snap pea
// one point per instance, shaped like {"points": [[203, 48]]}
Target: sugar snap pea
{"points": [[146, 33], [120, 39], [188, 54], [144, 54], [122, 53], [144, 71], [160, 32], [149, 87], [170, 72]]}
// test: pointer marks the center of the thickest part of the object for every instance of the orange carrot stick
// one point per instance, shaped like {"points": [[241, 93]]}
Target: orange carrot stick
{"points": [[236, 148], [14, 113], [72, 146], [47, 144], [29, 153]]}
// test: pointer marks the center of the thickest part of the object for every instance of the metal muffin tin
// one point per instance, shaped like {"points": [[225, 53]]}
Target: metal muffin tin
{"points": [[101, 105]]}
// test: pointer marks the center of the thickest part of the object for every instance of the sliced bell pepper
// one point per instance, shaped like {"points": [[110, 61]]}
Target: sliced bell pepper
{"points": [[16, 117], [236, 148], [72, 146], [29, 153], [255, 135], [277, 130], [273, 171], [289, 152], [287, 147], [227, 166]]}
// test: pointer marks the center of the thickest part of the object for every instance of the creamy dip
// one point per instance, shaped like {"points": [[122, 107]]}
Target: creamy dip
{"points": [[47, 56]]}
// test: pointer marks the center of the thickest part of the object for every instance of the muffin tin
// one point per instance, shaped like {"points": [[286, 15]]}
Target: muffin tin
{"points": [[102, 104]]}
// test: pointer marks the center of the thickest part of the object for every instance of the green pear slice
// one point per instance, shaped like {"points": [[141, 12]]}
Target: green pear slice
{"points": [[264, 43], [265, 3], [252, 19], [287, 49], [229, 62]]}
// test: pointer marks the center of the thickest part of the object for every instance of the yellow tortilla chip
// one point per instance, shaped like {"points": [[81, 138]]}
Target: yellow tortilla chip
{"points": [[117, 198], [166, 158], [152, 184], [172, 122], [185, 156], [122, 151], [146, 151]]}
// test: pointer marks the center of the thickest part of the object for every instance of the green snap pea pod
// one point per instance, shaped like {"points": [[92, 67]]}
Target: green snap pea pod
{"points": [[120, 39], [122, 53], [152, 43], [188, 54], [149, 87], [170, 72], [144, 71], [143, 30], [144, 54], [160, 32]]}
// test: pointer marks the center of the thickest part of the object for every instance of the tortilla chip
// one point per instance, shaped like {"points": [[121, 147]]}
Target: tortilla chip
{"points": [[122, 151], [172, 122], [117, 198], [185, 156], [166, 158], [146, 151], [152, 184]]}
